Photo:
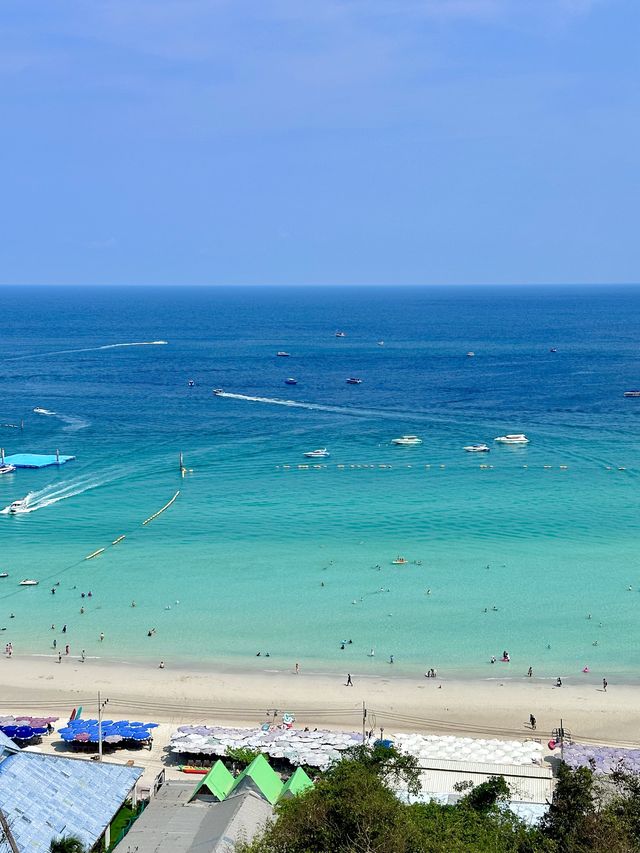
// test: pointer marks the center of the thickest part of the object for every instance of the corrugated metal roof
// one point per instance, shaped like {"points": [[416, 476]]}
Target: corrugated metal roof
{"points": [[170, 824], [45, 796]]}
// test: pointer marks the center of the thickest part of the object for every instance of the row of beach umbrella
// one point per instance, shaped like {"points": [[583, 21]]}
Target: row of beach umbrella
{"points": [[88, 731], [489, 751], [315, 749], [603, 759], [23, 729]]}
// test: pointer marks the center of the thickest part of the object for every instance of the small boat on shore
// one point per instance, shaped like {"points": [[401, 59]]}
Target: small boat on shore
{"points": [[478, 448], [28, 582], [318, 454], [407, 440], [353, 380], [512, 438]]}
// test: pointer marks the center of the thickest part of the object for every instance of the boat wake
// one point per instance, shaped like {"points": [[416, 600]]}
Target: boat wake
{"points": [[87, 349], [316, 407], [57, 492], [73, 423]]}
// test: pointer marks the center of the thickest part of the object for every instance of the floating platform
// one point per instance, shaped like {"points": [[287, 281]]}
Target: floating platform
{"points": [[36, 460]]}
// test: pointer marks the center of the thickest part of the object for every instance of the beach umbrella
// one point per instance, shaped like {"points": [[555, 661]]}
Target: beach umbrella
{"points": [[82, 737], [113, 739]]}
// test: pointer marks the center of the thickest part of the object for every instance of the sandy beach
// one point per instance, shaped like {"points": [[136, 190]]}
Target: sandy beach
{"points": [[498, 708]]}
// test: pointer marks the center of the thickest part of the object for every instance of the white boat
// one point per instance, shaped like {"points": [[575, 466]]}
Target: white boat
{"points": [[478, 448], [218, 391], [341, 334], [353, 380], [291, 381], [318, 454], [632, 393], [380, 343], [513, 438], [407, 440], [4, 574], [470, 354], [28, 582], [18, 506], [40, 411], [283, 354], [399, 561], [7, 469], [191, 383]]}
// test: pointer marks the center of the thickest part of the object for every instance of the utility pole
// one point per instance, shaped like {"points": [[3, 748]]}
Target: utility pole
{"points": [[7, 833], [364, 721], [100, 707]]}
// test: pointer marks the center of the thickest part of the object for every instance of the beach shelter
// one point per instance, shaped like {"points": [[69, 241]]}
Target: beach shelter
{"points": [[261, 778], [296, 784], [218, 782]]}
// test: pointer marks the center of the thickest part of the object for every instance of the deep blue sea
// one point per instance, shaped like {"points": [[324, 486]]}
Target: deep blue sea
{"points": [[256, 556]]}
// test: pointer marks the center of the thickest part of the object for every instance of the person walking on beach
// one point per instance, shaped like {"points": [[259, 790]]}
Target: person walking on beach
{"points": [[297, 669], [349, 682], [604, 684], [101, 636], [532, 722], [59, 657], [82, 656]]}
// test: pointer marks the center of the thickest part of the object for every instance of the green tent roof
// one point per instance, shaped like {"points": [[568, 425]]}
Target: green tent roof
{"points": [[218, 782], [296, 784], [263, 777]]}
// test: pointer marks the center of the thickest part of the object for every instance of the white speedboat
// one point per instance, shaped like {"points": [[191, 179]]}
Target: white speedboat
{"points": [[7, 469], [407, 440], [632, 393], [4, 574], [191, 383], [18, 506], [290, 381], [477, 448], [283, 354], [40, 411], [470, 354], [318, 454], [513, 438], [341, 334], [218, 391], [399, 561], [28, 582], [353, 380], [380, 343]]}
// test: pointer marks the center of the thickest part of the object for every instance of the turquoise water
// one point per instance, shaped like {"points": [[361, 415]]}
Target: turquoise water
{"points": [[284, 560]]}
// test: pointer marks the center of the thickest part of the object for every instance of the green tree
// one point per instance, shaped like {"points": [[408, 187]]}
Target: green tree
{"points": [[67, 844], [573, 801], [487, 795]]}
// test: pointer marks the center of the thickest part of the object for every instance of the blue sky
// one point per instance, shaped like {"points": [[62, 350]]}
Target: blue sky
{"points": [[319, 141]]}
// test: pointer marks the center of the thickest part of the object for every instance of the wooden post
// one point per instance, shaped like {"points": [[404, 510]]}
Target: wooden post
{"points": [[7, 833]]}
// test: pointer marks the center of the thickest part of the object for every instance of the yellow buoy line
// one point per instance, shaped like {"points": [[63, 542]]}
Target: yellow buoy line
{"points": [[119, 539]]}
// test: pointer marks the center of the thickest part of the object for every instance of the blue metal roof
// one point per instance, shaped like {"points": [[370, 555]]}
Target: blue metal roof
{"points": [[46, 796], [7, 742]]}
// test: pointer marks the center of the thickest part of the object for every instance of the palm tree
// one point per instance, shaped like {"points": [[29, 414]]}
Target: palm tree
{"points": [[66, 844]]}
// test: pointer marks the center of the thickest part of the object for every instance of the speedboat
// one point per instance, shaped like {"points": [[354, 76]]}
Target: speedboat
{"points": [[40, 411], [218, 391], [7, 469], [341, 334], [477, 448], [318, 454], [553, 349], [28, 582], [470, 354], [513, 438], [290, 381], [191, 383], [4, 574], [380, 343], [353, 380], [283, 354], [399, 561], [407, 440], [18, 506], [632, 393]]}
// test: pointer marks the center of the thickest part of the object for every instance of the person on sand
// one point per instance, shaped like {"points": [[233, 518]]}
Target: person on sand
{"points": [[532, 722], [161, 665], [349, 681], [530, 672], [558, 682], [604, 684], [297, 669], [59, 657], [83, 656]]}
